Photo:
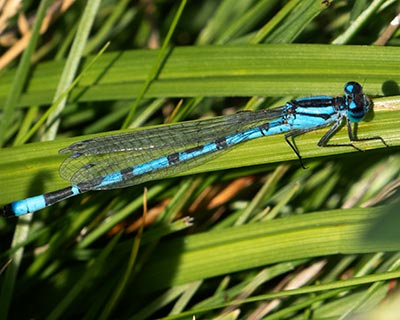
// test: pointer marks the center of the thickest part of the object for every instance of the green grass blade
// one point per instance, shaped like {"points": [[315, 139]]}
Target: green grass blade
{"points": [[214, 253], [259, 70]]}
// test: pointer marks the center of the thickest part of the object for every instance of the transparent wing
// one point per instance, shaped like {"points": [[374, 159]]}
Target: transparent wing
{"points": [[94, 158]]}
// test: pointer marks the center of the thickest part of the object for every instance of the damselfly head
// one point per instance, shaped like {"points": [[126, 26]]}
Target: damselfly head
{"points": [[357, 102], [353, 88]]}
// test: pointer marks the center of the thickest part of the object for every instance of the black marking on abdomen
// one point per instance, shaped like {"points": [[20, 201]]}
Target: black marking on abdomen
{"points": [[264, 127], [7, 211], [194, 149], [55, 196], [127, 173], [173, 158], [220, 143]]}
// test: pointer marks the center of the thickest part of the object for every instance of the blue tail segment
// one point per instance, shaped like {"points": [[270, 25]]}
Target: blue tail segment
{"points": [[29, 205], [127, 159]]}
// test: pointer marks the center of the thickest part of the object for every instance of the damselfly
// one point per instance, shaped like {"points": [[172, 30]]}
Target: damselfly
{"points": [[127, 159]]}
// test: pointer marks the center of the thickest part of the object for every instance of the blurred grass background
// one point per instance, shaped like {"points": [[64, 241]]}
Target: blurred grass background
{"points": [[248, 235]]}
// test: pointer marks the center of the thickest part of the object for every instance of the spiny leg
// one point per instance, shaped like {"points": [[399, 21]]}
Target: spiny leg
{"points": [[323, 142], [289, 137], [354, 138]]}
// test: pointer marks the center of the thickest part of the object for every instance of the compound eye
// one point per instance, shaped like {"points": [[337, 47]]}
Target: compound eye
{"points": [[352, 87]]}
